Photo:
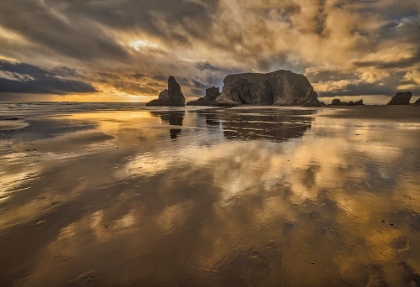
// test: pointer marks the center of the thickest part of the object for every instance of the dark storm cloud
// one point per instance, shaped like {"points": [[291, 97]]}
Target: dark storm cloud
{"points": [[376, 88], [24, 71], [134, 88], [197, 92], [130, 14], [280, 13], [137, 75], [387, 30], [315, 77], [159, 77], [24, 78], [320, 18], [44, 24], [388, 87], [67, 72], [403, 63], [213, 75], [79, 28], [131, 83], [207, 67], [45, 86]]}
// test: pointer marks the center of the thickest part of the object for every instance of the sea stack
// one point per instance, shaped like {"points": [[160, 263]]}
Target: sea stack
{"points": [[279, 88], [170, 97], [401, 98], [336, 102], [356, 103], [208, 99]]}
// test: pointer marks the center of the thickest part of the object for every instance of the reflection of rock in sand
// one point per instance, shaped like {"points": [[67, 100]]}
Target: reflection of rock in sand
{"points": [[376, 276], [272, 125], [173, 118], [274, 131], [212, 117], [411, 277]]}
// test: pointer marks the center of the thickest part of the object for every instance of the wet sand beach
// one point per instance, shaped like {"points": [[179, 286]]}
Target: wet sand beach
{"points": [[124, 195]]}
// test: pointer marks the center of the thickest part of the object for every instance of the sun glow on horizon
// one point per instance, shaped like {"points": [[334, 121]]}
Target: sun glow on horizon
{"points": [[105, 97]]}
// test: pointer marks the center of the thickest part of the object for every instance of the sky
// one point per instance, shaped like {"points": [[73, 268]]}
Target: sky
{"points": [[125, 50]]}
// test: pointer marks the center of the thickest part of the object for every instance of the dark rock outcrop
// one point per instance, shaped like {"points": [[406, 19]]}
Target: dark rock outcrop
{"points": [[313, 102], [356, 103], [279, 88], [401, 98], [336, 102], [170, 97], [417, 103], [208, 99]]}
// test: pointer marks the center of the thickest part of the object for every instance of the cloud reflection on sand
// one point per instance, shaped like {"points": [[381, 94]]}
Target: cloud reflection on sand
{"points": [[209, 209]]}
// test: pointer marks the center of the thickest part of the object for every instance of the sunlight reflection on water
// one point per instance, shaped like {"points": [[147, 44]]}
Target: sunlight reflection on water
{"points": [[217, 197]]}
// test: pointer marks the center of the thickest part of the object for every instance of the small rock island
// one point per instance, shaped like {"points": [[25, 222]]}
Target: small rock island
{"points": [[337, 102], [170, 97], [208, 99], [401, 98]]}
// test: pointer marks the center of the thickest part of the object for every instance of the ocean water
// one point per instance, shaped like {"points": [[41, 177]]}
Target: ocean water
{"points": [[110, 194]]}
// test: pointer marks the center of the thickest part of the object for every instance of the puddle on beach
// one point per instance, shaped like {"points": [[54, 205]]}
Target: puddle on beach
{"points": [[211, 197]]}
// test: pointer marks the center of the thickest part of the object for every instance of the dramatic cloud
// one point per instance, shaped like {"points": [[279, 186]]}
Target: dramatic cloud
{"points": [[128, 48], [24, 78]]}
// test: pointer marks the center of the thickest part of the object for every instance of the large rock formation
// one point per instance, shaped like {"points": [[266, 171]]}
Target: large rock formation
{"points": [[280, 88], [401, 98], [208, 99], [170, 97]]}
